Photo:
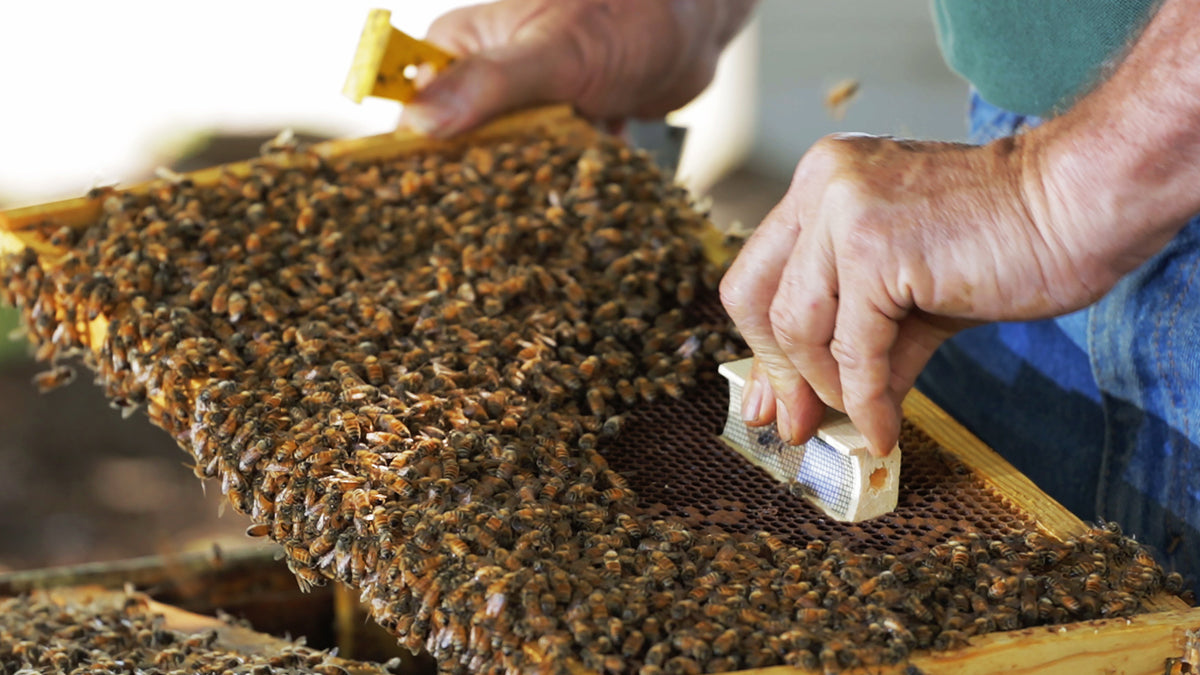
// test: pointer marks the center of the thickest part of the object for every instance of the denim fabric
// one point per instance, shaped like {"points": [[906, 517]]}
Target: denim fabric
{"points": [[1101, 408]]}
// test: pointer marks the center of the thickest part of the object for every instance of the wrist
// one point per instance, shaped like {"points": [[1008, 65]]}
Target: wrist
{"points": [[1048, 223], [1107, 189], [1121, 165]]}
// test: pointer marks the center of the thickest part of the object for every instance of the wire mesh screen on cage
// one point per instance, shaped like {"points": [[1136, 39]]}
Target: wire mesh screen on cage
{"points": [[833, 469]]}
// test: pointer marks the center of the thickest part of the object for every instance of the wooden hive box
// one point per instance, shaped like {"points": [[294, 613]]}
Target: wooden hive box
{"points": [[251, 584], [1140, 644]]}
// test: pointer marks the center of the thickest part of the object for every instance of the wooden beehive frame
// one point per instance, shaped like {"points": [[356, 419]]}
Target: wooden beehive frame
{"points": [[1135, 645], [229, 637]]}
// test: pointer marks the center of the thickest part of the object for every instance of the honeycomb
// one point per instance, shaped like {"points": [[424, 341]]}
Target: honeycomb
{"points": [[673, 456]]}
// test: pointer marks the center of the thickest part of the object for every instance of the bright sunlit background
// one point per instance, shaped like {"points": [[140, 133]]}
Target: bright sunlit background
{"points": [[93, 89], [95, 92]]}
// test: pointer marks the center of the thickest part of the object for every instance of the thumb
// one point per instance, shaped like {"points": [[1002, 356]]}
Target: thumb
{"points": [[485, 84]]}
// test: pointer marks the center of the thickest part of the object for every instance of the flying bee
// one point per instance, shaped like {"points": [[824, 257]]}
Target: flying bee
{"points": [[839, 96], [54, 378]]}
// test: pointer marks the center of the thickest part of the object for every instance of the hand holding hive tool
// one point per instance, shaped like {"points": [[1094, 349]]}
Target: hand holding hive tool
{"points": [[609, 61]]}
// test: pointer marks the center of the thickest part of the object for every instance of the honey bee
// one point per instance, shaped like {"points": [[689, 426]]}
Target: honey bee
{"points": [[948, 640], [1002, 549], [307, 578], [252, 454], [169, 657], [960, 559], [1118, 605], [1173, 583], [457, 546], [54, 378], [1002, 587], [685, 292], [1070, 603], [646, 389], [839, 96]]}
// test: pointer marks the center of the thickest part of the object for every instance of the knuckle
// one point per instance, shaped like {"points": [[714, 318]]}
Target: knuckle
{"points": [[788, 325], [847, 357], [453, 27], [862, 383], [823, 157], [585, 63], [826, 148], [734, 296], [593, 14]]}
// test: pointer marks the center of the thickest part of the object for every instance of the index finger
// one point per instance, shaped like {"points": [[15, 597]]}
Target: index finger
{"points": [[747, 291]]}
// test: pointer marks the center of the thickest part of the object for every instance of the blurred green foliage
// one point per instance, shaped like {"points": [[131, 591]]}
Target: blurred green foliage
{"points": [[10, 349]]}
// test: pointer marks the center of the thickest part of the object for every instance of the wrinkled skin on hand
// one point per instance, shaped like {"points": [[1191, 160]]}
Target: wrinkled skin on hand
{"points": [[881, 250], [609, 58]]}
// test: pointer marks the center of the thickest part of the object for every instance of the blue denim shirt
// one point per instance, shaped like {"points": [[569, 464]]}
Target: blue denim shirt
{"points": [[1101, 408]]}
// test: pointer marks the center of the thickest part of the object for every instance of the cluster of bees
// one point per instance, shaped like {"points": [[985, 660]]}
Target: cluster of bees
{"points": [[406, 373], [41, 634]]}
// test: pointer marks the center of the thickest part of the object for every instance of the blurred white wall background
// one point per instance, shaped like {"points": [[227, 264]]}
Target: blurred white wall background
{"points": [[91, 89], [888, 45]]}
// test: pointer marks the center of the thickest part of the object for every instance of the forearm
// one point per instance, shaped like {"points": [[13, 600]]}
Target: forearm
{"points": [[1124, 163]]}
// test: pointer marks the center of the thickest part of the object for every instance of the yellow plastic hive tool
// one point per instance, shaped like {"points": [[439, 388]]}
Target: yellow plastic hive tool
{"points": [[386, 63]]}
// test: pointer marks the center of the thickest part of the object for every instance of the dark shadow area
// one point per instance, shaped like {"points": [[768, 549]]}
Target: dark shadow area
{"points": [[81, 484]]}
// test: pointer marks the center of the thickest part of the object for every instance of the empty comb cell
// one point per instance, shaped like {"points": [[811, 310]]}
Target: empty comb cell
{"points": [[833, 469]]}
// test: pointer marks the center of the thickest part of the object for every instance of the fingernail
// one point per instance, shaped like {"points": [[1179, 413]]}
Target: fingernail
{"points": [[783, 422], [752, 402]]}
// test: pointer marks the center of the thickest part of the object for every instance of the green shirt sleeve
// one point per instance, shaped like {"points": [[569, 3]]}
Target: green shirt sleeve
{"points": [[1037, 57]]}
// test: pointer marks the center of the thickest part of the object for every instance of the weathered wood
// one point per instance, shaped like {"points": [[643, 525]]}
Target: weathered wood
{"points": [[1138, 645], [229, 637], [144, 572]]}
